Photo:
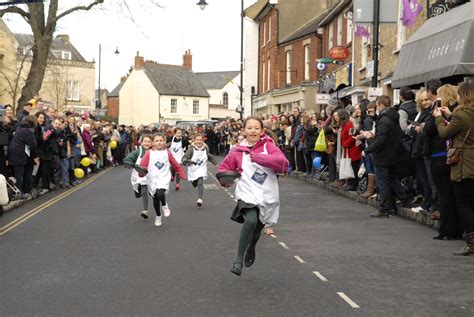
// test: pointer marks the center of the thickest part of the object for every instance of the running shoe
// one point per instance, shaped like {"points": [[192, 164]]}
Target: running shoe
{"points": [[199, 202], [166, 210], [158, 221], [177, 187], [144, 214]]}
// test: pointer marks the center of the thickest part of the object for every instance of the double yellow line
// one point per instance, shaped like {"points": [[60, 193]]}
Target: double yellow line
{"points": [[10, 226]]}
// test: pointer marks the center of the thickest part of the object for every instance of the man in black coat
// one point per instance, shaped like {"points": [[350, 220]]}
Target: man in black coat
{"points": [[387, 149]]}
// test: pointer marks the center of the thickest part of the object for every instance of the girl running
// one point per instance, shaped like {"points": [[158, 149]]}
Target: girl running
{"points": [[139, 183], [158, 162], [178, 145], [258, 160], [196, 158]]}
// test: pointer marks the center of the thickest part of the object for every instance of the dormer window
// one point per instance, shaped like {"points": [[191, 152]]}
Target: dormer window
{"points": [[66, 55]]}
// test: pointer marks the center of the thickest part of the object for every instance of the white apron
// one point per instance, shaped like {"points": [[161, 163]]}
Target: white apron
{"points": [[177, 150], [259, 185], [135, 179], [200, 168], [159, 174]]}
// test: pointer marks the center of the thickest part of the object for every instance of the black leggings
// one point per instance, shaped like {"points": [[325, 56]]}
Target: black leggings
{"points": [[174, 174], [159, 199]]}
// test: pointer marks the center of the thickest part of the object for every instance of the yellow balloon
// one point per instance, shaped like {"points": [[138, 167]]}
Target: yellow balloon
{"points": [[113, 144], [86, 161], [79, 173]]}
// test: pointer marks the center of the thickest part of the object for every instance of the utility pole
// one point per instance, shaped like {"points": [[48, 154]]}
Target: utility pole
{"points": [[375, 44]]}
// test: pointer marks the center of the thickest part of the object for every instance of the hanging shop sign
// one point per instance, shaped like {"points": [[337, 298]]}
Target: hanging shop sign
{"points": [[339, 53], [344, 76]]}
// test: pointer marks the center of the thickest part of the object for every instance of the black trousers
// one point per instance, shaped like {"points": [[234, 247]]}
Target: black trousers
{"points": [[23, 177], [450, 219], [388, 183], [463, 191], [159, 199]]}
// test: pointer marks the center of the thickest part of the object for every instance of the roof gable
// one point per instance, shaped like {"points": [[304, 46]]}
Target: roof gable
{"points": [[174, 80], [308, 29], [57, 44], [216, 80]]}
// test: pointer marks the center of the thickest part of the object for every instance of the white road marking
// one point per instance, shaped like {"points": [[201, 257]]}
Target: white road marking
{"points": [[232, 196], [235, 200], [348, 300], [299, 259], [284, 245], [273, 236], [320, 276]]}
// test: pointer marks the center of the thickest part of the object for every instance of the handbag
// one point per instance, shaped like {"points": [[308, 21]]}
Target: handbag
{"points": [[320, 144], [454, 154], [345, 168]]}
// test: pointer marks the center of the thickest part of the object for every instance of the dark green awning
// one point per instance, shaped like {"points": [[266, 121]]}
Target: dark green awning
{"points": [[442, 47]]}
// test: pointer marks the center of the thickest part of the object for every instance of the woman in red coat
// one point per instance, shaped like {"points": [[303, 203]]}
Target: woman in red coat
{"points": [[349, 145]]}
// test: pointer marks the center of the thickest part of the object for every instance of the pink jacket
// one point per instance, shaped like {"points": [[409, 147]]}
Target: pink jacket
{"points": [[275, 159]]}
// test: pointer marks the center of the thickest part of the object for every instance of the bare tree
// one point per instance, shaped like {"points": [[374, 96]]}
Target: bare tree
{"points": [[43, 24]]}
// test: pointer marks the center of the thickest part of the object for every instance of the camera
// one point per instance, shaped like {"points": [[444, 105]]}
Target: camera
{"points": [[353, 131]]}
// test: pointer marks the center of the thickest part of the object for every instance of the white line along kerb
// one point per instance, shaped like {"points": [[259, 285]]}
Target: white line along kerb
{"points": [[320, 276], [283, 245], [348, 300], [299, 259]]}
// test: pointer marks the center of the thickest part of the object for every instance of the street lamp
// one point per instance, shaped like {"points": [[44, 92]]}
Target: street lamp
{"points": [[98, 103], [202, 4]]}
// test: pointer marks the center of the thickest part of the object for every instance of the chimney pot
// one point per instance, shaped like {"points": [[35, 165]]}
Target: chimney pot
{"points": [[188, 60], [139, 61]]}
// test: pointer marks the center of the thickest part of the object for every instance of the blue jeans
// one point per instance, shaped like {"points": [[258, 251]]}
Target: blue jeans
{"points": [[64, 167], [369, 164]]}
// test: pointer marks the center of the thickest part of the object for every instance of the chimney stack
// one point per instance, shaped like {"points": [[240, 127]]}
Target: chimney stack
{"points": [[63, 37], [139, 61], [188, 60]]}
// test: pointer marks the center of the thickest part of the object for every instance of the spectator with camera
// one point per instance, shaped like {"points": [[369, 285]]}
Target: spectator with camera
{"points": [[461, 158], [387, 149]]}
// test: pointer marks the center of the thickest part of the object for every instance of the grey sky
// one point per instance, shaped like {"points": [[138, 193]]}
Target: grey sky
{"points": [[160, 34]]}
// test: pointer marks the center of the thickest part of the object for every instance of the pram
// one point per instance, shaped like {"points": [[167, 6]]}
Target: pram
{"points": [[13, 192]]}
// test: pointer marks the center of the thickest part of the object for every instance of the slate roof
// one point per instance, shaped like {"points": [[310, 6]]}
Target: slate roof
{"points": [[309, 28], [57, 44], [174, 80], [116, 91], [216, 80]]}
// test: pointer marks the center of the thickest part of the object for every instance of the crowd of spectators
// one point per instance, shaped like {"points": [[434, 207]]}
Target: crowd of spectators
{"points": [[399, 154]]}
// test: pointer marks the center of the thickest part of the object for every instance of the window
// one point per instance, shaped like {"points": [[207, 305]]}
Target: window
{"points": [[401, 30], [263, 76], [365, 49], [339, 30], [331, 36], [174, 105], [269, 29], [268, 74], [225, 99], [349, 30], [66, 55], [264, 33], [307, 62], [73, 90], [288, 67], [195, 106]]}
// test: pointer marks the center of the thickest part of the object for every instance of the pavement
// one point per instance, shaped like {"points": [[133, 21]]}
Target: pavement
{"points": [[88, 252]]}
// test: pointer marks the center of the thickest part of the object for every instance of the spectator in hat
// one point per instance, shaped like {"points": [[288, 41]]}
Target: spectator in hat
{"points": [[24, 112], [22, 155]]}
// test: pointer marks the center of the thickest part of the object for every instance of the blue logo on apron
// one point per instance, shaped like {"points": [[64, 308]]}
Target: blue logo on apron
{"points": [[199, 162], [259, 176], [175, 150], [159, 165]]}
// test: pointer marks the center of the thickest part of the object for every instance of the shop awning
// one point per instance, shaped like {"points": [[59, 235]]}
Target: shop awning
{"points": [[442, 47]]}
